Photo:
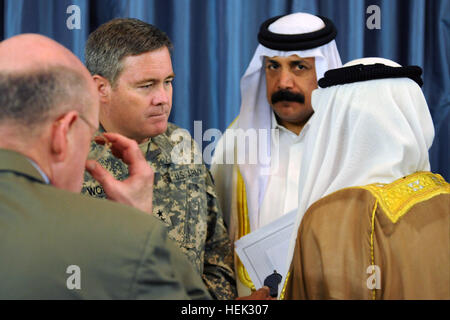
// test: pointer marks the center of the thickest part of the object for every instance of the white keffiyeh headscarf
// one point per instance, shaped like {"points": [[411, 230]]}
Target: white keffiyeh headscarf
{"points": [[374, 131]]}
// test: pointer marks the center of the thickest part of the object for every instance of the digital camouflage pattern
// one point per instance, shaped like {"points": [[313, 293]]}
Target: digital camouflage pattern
{"points": [[184, 198]]}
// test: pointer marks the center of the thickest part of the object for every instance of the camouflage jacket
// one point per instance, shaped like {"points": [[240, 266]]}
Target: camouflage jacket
{"points": [[184, 198]]}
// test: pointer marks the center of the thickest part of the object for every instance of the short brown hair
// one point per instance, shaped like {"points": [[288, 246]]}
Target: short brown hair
{"points": [[117, 39]]}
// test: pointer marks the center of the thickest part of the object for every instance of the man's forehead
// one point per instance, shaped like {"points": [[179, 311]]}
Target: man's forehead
{"points": [[293, 57], [150, 65]]}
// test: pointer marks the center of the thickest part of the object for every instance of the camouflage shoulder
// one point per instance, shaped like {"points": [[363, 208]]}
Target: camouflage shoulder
{"points": [[171, 127], [178, 135]]}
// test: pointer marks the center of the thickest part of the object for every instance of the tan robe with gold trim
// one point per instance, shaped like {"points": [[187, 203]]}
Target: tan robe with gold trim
{"points": [[402, 228]]}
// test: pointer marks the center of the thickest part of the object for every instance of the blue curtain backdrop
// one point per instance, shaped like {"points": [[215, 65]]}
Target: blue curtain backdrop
{"points": [[214, 41]]}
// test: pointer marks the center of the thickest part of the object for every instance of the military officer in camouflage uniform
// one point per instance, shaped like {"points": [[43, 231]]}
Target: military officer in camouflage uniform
{"points": [[131, 65]]}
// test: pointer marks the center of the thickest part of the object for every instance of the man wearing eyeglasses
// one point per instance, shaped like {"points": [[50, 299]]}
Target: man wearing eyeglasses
{"points": [[54, 242]]}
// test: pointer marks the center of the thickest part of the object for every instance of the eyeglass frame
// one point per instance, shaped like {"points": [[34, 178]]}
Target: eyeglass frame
{"points": [[106, 146]]}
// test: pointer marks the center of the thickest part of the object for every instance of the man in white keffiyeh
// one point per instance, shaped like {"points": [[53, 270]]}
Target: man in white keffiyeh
{"points": [[294, 52], [373, 219]]}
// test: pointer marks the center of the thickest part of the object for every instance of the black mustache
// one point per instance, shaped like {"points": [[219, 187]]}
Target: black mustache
{"points": [[286, 95]]}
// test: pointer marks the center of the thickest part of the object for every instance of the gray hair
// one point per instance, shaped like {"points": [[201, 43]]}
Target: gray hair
{"points": [[30, 98], [117, 39]]}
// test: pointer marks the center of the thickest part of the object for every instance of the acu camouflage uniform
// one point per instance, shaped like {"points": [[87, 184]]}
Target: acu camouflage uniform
{"points": [[184, 198]]}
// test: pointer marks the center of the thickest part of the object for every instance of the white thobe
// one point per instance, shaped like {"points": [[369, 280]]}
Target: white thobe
{"points": [[281, 195]]}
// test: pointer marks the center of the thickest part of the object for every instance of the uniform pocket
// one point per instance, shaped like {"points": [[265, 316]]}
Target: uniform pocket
{"points": [[196, 221]]}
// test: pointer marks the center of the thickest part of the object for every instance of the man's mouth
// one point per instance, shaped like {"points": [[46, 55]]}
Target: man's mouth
{"points": [[157, 115], [156, 112]]}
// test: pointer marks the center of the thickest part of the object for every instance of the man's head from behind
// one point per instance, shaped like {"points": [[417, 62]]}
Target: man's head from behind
{"points": [[131, 65], [372, 124], [48, 107]]}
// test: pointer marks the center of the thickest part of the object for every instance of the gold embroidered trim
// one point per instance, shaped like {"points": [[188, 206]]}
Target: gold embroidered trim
{"points": [[231, 124], [283, 291], [398, 197], [372, 246], [244, 227]]}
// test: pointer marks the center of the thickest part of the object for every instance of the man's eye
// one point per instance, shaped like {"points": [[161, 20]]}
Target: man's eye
{"points": [[272, 67], [168, 82], [146, 86], [300, 67]]}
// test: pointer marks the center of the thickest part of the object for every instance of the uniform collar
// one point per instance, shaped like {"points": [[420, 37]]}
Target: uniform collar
{"points": [[41, 172], [160, 147], [18, 163]]}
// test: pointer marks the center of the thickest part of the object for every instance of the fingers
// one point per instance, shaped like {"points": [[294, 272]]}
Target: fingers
{"points": [[99, 140], [121, 146], [265, 290], [260, 294], [137, 189]]}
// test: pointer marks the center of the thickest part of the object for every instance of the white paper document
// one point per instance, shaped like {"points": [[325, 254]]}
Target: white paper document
{"points": [[265, 249]]}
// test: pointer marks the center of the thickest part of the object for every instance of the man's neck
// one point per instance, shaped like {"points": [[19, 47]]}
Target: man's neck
{"points": [[33, 150], [291, 126], [106, 128]]}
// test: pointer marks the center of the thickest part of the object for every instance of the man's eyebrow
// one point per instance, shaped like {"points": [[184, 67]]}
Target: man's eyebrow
{"points": [[272, 61], [299, 61], [171, 76], [145, 80]]}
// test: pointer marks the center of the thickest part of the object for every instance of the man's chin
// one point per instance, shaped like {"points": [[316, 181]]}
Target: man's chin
{"points": [[287, 115], [283, 105], [157, 128]]}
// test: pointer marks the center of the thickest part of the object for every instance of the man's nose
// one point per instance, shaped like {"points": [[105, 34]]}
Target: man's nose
{"points": [[161, 96], [286, 80]]}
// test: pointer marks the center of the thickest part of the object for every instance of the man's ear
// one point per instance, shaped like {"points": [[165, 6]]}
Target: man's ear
{"points": [[59, 136], [103, 88]]}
